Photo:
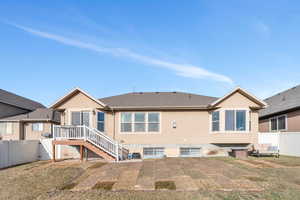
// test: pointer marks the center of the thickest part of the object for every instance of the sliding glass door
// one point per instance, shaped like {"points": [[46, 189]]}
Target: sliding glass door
{"points": [[79, 118]]}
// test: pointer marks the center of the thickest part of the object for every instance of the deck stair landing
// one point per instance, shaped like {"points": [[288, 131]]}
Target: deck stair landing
{"points": [[89, 138]]}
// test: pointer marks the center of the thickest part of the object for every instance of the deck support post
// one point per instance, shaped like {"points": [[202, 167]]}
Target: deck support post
{"points": [[53, 153], [81, 152]]}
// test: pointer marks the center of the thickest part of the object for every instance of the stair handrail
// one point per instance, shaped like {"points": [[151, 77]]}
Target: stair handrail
{"points": [[114, 151]]}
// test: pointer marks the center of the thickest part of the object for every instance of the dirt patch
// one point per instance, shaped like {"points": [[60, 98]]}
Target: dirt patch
{"points": [[255, 164], [104, 185], [97, 165], [255, 178], [68, 186], [165, 185]]}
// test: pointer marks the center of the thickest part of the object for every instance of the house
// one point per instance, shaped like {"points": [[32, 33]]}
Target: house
{"points": [[157, 124], [34, 125], [12, 104], [22, 118], [282, 113]]}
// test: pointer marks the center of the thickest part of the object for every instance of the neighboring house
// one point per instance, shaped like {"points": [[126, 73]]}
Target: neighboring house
{"points": [[30, 126], [282, 113], [12, 104], [158, 124]]}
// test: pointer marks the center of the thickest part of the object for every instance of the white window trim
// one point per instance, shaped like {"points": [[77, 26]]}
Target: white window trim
{"points": [[40, 126], [146, 123], [276, 117], [89, 110], [104, 131], [222, 121], [211, 121]]}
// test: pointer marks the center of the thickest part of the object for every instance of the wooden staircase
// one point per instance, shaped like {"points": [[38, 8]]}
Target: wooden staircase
{"points": [[92, 139]]}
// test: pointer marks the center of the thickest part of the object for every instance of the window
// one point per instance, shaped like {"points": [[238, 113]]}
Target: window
{"points": [[153, 152], [153, 122], [235, 120], [37, 127], [240, 120], [190, 152], [80, 118], [216, 121], [281, 123], [278, 123], [100, 121], [229, 120], [140, 122], [126, 122], [5, 128], [274, 124]]}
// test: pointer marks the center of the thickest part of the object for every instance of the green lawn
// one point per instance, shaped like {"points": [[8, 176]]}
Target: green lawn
{"points": [[169, 178]]}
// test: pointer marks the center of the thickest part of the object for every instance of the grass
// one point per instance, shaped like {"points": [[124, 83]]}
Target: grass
{"points": [[288, 161], [32, 180], [165, 185], [47, 181], [104, 185]]}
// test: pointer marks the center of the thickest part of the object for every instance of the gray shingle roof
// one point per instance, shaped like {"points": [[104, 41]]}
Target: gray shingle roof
{"points": [[157, 100], [286, 100], [18, 101], [40, 114]]}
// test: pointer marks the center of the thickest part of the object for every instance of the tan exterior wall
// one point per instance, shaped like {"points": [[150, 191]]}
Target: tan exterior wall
{"points": [[15, 135], [237, 100], [293, 122], [36, 135], [264, 125], [79, 102], [193, 127]]}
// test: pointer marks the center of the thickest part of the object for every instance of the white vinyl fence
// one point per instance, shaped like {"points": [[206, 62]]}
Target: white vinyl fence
{"points": [[15, 152], [288, 142]]}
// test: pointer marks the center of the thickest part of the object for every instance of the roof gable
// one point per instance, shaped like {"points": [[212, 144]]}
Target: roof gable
{"points": [[235, 99], [77, 98]]}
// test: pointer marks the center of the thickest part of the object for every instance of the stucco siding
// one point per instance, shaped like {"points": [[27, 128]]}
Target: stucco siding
{"points": [[237, 100], [293, 121], [192, 127], [15, 135], [79, 102], [35, 135], [264, 125]]}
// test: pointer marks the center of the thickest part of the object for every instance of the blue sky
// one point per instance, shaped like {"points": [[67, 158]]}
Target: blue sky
{"points": [[112, 47]]}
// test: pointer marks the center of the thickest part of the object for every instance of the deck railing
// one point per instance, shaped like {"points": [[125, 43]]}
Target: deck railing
{"points": [[93, 136]]}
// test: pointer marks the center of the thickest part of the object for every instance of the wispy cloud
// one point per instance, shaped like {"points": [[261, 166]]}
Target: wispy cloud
{"points": [[184, 70], [262, 27]]}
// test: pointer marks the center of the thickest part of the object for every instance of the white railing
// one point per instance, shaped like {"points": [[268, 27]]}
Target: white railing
{"points": [[93, 136]]}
